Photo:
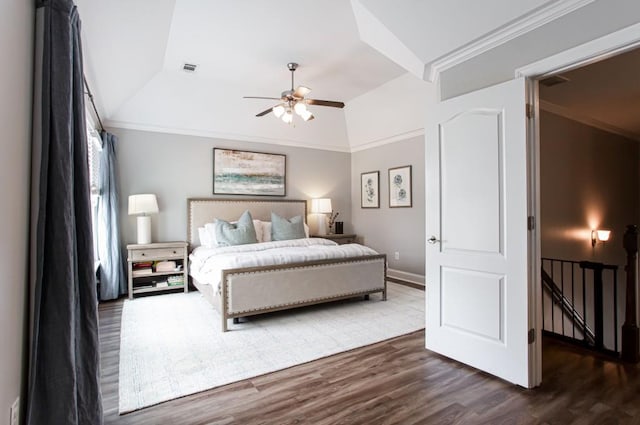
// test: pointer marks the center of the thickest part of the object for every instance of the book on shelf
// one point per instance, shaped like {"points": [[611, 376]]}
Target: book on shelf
{"points": [[162, 284], [165, 266], [175, 280], [142, 272], [142, 265]]}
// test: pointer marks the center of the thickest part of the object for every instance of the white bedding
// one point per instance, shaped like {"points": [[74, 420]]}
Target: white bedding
{"points": [[207, 263]]}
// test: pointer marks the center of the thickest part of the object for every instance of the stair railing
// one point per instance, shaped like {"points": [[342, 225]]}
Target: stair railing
{"points": [[577, 290]]}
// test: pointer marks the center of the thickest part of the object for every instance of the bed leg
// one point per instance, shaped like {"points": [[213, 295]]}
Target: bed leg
{"points": [[224, 324], [384, 294], [366, 297]]}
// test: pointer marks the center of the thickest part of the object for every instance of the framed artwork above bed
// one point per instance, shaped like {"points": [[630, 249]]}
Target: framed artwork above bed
{"points": [[248, 173]]}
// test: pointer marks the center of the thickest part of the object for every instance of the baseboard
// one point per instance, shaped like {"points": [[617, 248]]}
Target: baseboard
{"points": [[406, 278]]}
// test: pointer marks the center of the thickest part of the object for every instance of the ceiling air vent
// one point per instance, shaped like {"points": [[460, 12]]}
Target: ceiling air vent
{"points": [[189, 67], [554, 80]]}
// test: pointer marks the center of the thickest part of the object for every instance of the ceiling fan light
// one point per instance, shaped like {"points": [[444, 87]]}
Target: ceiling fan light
{"points": [[278, 110], [300, 108], [307, 115], [287, 117]]}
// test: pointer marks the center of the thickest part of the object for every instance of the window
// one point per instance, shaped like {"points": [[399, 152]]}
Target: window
{"points": [[94, 147]]}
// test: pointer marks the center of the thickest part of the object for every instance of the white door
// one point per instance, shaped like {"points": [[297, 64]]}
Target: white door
{"points": [[476, 260]]}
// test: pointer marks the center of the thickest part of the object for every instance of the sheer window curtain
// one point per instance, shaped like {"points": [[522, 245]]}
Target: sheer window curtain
{"points": [[112, 279], [64, 386]]}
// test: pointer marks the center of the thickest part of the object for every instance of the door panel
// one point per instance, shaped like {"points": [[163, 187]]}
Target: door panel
{"points": [[471, 151], [472, 302], [476, 263]]}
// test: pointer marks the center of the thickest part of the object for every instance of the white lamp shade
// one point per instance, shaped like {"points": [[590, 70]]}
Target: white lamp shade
{"points": [[603, 235], [143, 204], [278, 110], [321, 206], [300, 108], [307, 116]]}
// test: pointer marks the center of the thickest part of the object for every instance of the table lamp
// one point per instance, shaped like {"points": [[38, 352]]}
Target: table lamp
{"points": [[142, 205], [321, 206]]}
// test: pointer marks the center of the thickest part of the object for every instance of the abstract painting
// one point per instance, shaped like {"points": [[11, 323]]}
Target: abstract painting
{"points": [[400, 187], [248, 173], [370, 189]]}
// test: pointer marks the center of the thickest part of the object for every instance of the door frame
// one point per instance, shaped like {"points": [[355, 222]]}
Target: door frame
{"points": [[593, 51]]}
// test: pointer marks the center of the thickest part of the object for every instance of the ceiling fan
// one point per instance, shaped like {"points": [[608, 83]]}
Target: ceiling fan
{"points": [[294, 101]]}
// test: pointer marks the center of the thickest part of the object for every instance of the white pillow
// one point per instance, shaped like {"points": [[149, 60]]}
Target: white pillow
{"points": [[266, 231], [205, 240], [257, 224], [210, 240], [210, 230]]}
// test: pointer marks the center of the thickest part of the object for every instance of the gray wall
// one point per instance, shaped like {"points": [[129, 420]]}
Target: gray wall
{"points": [[16, 46], [390, 230], [588, 179], [176, 167]]}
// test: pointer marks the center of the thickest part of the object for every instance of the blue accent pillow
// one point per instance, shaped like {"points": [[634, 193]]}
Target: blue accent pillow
{"points": [[283, 229], [240, 233]]}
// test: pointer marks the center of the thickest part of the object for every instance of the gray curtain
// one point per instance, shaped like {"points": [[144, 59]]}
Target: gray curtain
{"points": [[112, 279], [64, 386]]}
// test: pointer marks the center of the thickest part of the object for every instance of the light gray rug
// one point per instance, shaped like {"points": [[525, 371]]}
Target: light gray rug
{"points": [[171, 345]]}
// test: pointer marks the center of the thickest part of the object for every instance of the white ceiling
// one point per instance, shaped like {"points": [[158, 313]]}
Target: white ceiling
{"points": [[134, 51]]}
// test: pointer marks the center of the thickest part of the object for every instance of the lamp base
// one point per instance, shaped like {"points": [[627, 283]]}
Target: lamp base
{"points": [[144, 229], [323, 229]]}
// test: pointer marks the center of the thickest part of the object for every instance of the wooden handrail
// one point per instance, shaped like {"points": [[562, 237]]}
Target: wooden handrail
{"points": [[630, 334]]}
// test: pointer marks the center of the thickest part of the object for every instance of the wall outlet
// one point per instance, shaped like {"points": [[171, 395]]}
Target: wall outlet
{"points": [[15, 412], [396, 255]]}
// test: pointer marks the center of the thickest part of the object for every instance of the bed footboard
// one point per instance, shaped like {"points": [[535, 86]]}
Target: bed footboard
{"points": [[257, 290]]}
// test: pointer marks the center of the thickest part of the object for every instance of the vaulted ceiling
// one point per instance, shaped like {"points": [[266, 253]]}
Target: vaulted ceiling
{"points": [[134, 52]]}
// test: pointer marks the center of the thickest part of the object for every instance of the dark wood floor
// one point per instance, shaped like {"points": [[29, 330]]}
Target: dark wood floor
{"points": [[393, 382]]}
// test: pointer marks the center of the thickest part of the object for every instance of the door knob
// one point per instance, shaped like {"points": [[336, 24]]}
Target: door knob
{"points": [[432, 240]]}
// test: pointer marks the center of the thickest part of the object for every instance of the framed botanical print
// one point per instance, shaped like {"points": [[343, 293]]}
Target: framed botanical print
{"points": [[248, 173], [370, 189], [400, 187]]}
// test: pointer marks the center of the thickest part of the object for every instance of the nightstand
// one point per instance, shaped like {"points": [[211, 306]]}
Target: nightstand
{"points": [[339, 239], [144, 276]]}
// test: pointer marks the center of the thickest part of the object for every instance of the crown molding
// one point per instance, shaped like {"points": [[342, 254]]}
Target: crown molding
{"points": [[387, 140], [601, 48], [586, 120], [522, 25], [220, 135]]}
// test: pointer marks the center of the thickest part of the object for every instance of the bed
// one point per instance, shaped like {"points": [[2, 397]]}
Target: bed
{"points": [[245, 291]]}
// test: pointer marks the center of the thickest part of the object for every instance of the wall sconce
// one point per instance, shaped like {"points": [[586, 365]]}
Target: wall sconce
{"points": [[599, 235]]}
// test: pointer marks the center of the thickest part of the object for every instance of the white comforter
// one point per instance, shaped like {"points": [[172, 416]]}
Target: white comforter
{"points": [[207, 263]]}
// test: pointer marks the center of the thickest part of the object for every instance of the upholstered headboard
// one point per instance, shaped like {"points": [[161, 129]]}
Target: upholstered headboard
{"points": [[205, 210]]}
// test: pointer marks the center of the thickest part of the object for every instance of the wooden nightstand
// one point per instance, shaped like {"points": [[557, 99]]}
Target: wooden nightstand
{"points": [[340, 239], [142, 261]]}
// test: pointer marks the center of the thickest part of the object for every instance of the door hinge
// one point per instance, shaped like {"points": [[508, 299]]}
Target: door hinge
{"points": [[531, 222], [529, 110], [532, 336]]}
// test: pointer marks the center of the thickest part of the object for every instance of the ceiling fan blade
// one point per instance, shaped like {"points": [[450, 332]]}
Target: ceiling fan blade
{"points": [[259, 97], [301, 92], [265, 112], [330, 103]]}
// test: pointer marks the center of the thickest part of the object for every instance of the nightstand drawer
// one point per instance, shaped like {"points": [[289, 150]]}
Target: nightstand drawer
{"points": [[156, 253]]}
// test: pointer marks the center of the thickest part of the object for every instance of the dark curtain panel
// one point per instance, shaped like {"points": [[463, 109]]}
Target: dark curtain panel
{"points": [[64, 370], [112, 279]]}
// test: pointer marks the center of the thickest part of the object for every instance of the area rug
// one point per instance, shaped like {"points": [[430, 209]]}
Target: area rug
{"points": [[171, 345]]}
